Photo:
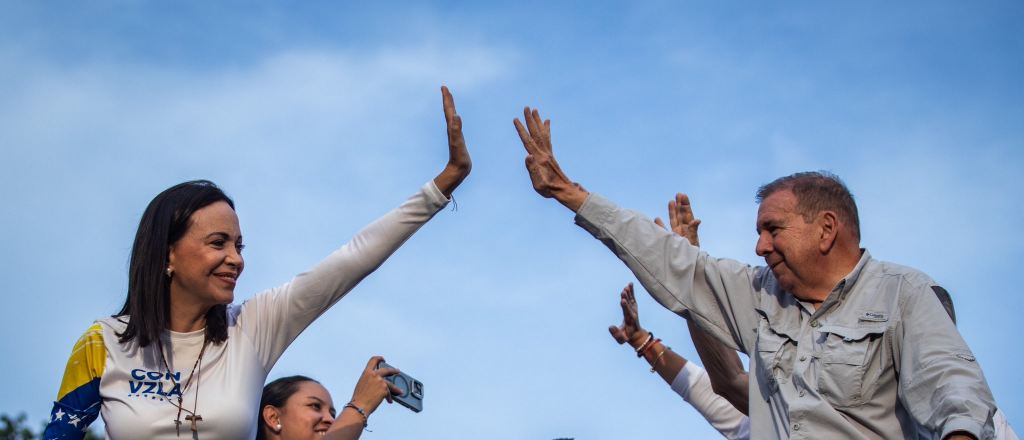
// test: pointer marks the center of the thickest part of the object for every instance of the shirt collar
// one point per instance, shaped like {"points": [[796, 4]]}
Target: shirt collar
{"points": [[844, 286]]}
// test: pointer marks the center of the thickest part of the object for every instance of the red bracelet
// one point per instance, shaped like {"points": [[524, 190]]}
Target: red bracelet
{"points": [[650, 346]]}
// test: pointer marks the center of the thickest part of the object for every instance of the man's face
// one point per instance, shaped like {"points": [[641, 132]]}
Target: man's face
{"points": [[789, 245]]}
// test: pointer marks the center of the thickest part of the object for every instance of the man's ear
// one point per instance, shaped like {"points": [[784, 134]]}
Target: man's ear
{"points": [[272, 416], [828, 225]]}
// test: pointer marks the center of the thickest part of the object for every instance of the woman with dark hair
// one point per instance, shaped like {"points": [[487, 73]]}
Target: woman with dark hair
{"points": [[299, 408], [179, 334]]}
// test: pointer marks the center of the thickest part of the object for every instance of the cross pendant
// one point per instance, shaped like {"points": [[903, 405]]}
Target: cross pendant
{"points": [[177, 422], [194, 419]]}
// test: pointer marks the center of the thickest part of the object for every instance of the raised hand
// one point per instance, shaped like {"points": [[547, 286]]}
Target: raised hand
{"points": [[680, 215], [547, 177], [459, 163], [630, 330]]}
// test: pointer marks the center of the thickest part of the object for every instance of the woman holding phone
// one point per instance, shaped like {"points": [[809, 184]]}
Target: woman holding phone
{"points": [[299, 408], [179, 359]]}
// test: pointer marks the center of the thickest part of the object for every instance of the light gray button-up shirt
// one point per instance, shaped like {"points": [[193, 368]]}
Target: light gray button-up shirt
{"points": [[879, 359]]}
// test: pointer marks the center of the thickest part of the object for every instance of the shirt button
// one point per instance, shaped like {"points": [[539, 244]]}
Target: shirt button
{"points": [[814, 323], [796, 427], [803, 358], [801, 393]]}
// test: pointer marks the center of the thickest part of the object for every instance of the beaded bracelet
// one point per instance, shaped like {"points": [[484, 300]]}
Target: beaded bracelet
{"points": [[361, 412], [655, 363], [640, 350]]}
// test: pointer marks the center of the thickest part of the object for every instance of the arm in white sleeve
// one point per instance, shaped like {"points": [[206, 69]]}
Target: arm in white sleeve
{"points": [[1003, 429], [273, 319], [693, 385]]}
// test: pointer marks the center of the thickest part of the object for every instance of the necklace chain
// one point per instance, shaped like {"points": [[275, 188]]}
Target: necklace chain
{"points": [[192, 416]]}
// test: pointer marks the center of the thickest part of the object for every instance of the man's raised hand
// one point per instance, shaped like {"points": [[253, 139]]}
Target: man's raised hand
{"points": [[547, 177], [680, 216]]}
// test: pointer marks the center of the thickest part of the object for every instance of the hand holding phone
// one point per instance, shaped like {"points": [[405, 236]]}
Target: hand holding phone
{"points": [[412, 396]]}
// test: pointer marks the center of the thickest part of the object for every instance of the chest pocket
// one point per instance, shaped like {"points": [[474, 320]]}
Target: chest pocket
{"points": [[771, 364], [845, 376]]}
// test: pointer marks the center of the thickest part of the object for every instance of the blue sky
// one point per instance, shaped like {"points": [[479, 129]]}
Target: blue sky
{"points": [[318, 117]]}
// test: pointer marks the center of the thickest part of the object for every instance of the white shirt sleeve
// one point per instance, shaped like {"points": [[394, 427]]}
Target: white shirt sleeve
{"points": [[694, 386], [274, 318], [1003, 430]]}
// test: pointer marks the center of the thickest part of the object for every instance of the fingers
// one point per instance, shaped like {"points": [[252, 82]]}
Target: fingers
{"points": [[372, 388], [657, 221], [455, 138], [617, 333], [374, 361], [547, 130], [455, 129], [673, 216], [683, 205], [531, 121], [394, 389], [691, 233], [387, 371], [533, 131], [524, 136], [449, 104], [684, 201], [626, 309]]}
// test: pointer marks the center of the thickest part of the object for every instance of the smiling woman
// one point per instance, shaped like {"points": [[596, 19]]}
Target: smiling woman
{"points": [[295, 408], [178, 331]]}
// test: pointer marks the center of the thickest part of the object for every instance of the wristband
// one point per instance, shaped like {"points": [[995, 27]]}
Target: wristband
{"points": [[361, 412], [651, 346]]}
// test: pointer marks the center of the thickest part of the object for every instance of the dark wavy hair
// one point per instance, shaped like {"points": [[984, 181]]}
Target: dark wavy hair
{"points": [[276, 394], [817, 191], [164, 222]]}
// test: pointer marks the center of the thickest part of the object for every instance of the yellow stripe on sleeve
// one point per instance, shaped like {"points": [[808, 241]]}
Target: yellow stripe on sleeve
{"points": [[87, 361]]}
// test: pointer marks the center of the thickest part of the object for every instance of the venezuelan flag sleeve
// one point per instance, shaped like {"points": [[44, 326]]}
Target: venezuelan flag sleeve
{"points": [[78, 401]]}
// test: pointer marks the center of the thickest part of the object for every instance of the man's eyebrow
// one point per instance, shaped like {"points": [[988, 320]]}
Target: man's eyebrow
{"points": [[766, 224]]}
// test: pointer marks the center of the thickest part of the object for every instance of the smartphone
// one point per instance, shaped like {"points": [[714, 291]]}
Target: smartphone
{"points": [[412, 396]]}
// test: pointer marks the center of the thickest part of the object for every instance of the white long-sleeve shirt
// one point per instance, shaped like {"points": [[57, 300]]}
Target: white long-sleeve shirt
{"points": [[694, 386], [133, 390]]}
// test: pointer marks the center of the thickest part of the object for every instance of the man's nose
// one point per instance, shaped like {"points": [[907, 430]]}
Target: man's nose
{"points": [[764, 245]]}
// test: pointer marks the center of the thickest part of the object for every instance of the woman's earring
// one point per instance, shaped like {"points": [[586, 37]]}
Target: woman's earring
{"points": [[169, 271], [278, 426]]}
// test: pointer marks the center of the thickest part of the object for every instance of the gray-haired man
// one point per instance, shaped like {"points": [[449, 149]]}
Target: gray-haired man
{"points": [[841, 345]]}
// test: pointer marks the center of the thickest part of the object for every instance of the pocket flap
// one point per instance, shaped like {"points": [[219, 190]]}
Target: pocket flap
{"points": [[850, 334]]}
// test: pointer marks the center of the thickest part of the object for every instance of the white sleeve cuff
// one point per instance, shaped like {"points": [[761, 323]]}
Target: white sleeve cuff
{"points": [[434, 194]]}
